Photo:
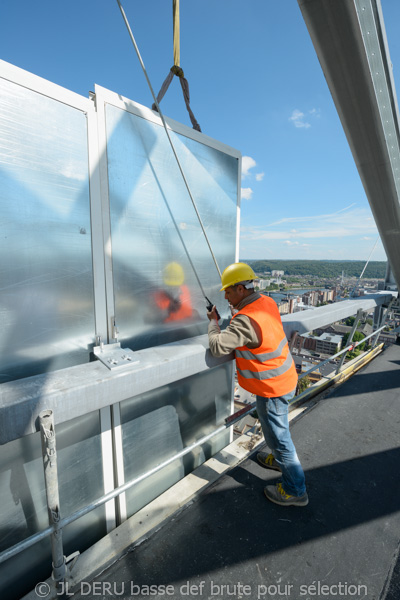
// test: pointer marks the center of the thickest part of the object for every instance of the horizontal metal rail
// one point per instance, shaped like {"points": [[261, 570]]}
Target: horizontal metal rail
{"points": [[37, 537]]}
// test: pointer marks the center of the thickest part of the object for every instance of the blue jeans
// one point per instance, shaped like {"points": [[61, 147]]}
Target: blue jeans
{"points": [[273, 415]]}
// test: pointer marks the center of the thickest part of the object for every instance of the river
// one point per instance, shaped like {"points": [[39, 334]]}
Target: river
{"points": [[278, 296]]}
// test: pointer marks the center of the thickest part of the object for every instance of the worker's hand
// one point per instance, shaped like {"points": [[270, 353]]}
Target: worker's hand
{"points": [[212, 314]]}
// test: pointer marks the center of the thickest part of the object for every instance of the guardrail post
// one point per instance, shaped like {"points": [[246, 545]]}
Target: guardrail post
{"points": [[378, 319], [380, 315], [48, 437], [350, 339]]}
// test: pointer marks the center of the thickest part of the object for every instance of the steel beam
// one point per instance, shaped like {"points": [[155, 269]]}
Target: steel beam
{"points": [[350, 41]]}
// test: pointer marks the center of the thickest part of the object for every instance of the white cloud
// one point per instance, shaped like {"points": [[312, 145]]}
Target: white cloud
{"points": [[247, 164], [297, 119], [313, 217], [246, 193], [348, 222], [289, 243], [260, 176]]}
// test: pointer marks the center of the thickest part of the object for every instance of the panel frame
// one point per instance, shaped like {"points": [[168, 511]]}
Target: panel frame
{"points": [[103, 97], [51, 90]]}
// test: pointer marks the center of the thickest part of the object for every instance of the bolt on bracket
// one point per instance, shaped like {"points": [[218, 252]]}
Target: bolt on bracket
{"points": [[115, 357]]}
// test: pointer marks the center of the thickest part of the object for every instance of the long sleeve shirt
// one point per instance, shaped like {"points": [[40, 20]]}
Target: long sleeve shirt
{"points": [[242, 331]]}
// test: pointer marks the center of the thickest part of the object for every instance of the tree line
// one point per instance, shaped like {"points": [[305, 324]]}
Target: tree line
{"points": [[321, 268]]}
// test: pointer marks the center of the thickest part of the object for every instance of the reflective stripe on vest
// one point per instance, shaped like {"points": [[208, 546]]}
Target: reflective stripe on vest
{"points": [[261, 375], [262, 357]]}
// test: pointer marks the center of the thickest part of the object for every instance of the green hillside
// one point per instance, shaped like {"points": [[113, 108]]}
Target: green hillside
{"points": [[321, 268]]}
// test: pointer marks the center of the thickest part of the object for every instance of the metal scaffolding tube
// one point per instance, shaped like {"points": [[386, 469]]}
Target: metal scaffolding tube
{"points": [[350, 339], [48, 437]]}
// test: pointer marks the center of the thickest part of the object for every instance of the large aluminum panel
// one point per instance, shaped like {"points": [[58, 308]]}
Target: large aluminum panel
{"points": [[157, 425], [46, 285], [154, 227], [23, 499]]}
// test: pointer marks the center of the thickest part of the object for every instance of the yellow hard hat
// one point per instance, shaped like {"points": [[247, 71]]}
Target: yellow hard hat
{"points": [[173, 274], [236, 273]]}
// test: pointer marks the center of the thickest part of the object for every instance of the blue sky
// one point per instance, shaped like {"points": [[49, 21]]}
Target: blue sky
{"points": [[255, 84]]}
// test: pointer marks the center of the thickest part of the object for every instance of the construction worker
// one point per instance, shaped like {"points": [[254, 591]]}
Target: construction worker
{"points": [[174, 301], [265, 368]]}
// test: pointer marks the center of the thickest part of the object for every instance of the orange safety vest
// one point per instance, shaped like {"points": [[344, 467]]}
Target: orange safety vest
{"points": [[268, 370], [184, 311]]}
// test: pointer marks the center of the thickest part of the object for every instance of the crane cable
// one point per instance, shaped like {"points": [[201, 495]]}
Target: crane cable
{"points": [[176, 69], [174, 152]]}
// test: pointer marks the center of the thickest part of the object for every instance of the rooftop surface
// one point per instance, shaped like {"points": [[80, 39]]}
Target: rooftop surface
{"points": [[233, 543]]}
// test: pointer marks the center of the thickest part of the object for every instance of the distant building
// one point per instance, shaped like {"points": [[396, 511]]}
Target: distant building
{"points": [[261, 284], [305, 340], [328, 344], [334, 329], [310, 298], [315, 297], [283, 307], [387, 337]]}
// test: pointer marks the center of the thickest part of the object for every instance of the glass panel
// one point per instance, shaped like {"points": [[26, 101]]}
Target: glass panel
{"points": [[46, 285], [157, 425], [157, 296], [23, 499]]}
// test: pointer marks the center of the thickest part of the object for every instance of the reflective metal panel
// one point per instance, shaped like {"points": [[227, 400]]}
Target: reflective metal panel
{"points": [[157, 296], [23, 500], [157, 425], [46, 283]]}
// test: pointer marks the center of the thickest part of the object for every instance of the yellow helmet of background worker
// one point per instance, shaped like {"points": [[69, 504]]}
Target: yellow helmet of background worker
{"points": [[236, 273], [173, 274]]}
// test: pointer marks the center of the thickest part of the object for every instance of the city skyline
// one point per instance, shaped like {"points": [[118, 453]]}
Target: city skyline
{"points": [[255, 84]]}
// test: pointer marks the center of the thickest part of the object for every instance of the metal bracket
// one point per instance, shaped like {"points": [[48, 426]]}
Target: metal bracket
{"points": [[115, 357]]}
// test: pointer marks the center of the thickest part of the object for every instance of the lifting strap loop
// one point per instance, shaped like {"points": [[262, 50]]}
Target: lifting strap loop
{"points": [[176, 70]]}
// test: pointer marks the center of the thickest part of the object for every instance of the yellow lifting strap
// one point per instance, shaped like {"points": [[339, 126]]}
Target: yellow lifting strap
{"points": [[177, 44], [176, 69]]}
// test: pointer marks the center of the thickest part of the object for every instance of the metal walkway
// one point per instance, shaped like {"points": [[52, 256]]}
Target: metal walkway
{"points": [[232, 542]]}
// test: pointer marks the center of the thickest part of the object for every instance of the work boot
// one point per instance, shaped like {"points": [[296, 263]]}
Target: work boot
{"points": [[277, 494], [268, 461]]}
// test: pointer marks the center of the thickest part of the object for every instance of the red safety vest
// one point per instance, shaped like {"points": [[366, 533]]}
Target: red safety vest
{"points": [[268, 370]]}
